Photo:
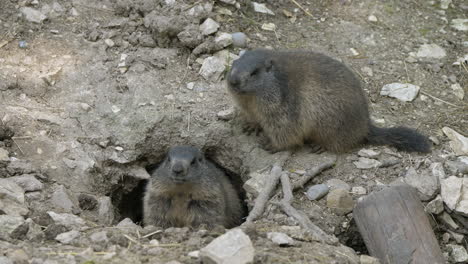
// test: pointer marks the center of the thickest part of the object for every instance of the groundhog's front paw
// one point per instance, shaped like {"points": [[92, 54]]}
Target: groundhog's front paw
{"points": [[317, 149], [250, 128], [268, 146]]}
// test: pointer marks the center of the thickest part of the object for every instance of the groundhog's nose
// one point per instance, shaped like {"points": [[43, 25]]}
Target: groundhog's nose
{"points": [[234, 80], [178, 169]]}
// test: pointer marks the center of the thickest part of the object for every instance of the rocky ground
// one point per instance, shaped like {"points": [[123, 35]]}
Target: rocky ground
{"points": [[94, 92]]}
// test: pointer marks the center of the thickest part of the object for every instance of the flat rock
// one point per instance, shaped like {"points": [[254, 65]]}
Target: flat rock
{"points": [[28, 182], [365, 163], [105, 210], [223, 39], [233, 247], [99, 237], [209, 26], [67, 237], [368, 260], [280, 239], [61, 199], [340, 201], [460, 24], [458, 142], [317, 191], [437, 169], [435, 206], [368, 153], [458, 254], [4, 155], [358, 190], [458, 90], [456, 166], [33, 15], [9, 224], [12, 198], [432, 51], [454, 192], [427, 185], [212, 68], [402, 91], [338, 184], [67, 220], [261, 8]]}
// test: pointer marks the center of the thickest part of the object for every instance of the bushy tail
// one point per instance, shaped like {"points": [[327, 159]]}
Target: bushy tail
{"points": [[402, 138]]}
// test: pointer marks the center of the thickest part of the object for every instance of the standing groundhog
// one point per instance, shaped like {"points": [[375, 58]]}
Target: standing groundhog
{"points": [[299, 97], [188, 190]]}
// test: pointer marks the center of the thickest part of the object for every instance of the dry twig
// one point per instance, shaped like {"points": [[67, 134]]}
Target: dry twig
{"points": [[438, 99], [312, 173], [302, 8]]}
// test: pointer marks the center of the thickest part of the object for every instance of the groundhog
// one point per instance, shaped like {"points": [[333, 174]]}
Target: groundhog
{"points": [[299, 97], [188, 190]]}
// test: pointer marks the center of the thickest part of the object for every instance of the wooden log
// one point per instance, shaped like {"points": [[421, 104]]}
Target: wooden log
{"points": [[395, 228]]}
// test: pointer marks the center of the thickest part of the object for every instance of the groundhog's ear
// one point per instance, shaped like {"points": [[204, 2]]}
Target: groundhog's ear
{"points": [[268, 64]]}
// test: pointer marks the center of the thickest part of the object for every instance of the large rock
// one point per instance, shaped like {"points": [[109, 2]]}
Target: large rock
{"points": [[68, 220], [12, 198], [458, 254], [458, 142], [233, 247], [9, 225], [454, 192], [402, 91], [28, 182], [427, 185]]}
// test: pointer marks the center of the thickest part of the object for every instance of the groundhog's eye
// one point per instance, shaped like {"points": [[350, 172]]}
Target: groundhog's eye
{"points": [[193, 162]]}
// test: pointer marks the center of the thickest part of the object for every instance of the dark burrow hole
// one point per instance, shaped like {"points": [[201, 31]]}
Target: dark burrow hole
{"points": [[353, 239], [127, 197]]}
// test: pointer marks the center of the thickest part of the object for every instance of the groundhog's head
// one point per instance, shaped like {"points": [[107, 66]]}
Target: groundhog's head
{"points": [[183, 164], [252, 72]]}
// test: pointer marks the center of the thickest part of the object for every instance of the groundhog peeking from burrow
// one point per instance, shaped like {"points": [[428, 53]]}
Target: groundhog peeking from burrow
{"points": [[298, 97], [189, 190]]}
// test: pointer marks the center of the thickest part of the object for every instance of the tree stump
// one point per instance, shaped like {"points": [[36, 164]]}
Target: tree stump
{"points": [[395, 227]]}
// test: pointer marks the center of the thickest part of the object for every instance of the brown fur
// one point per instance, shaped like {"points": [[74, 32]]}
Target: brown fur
{"points": [[208, 198]]}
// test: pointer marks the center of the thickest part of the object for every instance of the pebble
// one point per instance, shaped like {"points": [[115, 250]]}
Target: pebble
{"points": [[427, 185], [458, 142], [8, 225], [402, 91], [85, 106], [460, 24], [99, 237], [67, 237], [229, 2], [109, 42], [316, 192], [74, 12], [359, 190], [365, 163], [33, 15], [127, 223], [280, 239], [226, 115], [261, 8], [61, 199], [4, 155], [212, 68], [458, 254], [458, 91], [372, 18], [223, 39], [340, 201], [239, 40], [454, 192], [106, 210], [431, 51], [364, 259], [435, 206], [194, 254], [368, 153], [209, 26], [338, 184], [232, 247], [28, 182], [68, 220], [12, 198]]}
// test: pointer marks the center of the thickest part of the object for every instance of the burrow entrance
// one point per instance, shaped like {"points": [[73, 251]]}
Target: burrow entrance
{"points": [[353, 239], [127, 196]]}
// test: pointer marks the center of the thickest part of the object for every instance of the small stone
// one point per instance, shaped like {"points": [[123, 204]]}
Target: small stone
{"points": [[368, 153], [340, 201], [372, 18], [458, 142], [435, 206], [458, 91], [427, 185], [28, 182], [229, 2], [194, 254], [239, 40], [128, 223], [99, 237], [280, 239], [431, 51], [67, 237], [209, 26], [338, 184], [460, 24], [224, 39], [268, 26], [9, 224], [454, 192], [61, 199], [402, 91], [261, 8], [33, 15], [458, 237], [35, 232], [456, 167], [446, 237], [317, 191], [226, 115], [359, 190], [154, 242], [106, 210], [444, 4], [458, 254], [447, 219], [85, 106], [74, 12], [364, 259], [212, 68], [365, 163], [4, 155], [354, 52], [226, 56], [115, 109], [255, 183], [190, 85], [437, 169], [67, 220], [232, 247], [12, 198], [109, 42]]}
